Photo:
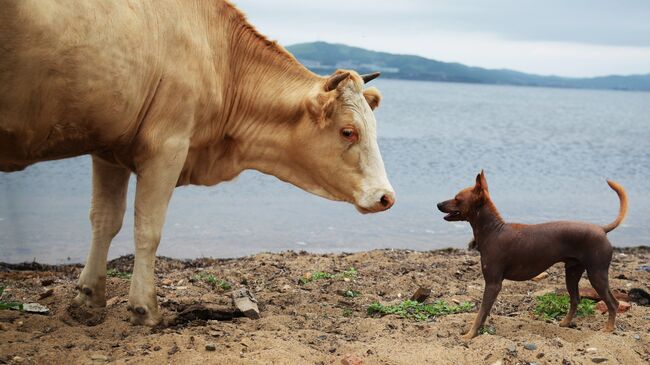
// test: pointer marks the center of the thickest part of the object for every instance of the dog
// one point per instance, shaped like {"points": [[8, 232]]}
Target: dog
{"points": [[521, 251]]}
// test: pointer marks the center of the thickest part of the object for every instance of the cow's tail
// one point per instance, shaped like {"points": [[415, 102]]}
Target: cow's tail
{"points": [[622, 211]]}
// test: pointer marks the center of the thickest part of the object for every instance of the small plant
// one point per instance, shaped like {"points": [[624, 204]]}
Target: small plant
{"points": [[320, 275], [9, 305], [490, 330], [212, 280], [351, 293], [553, 306], [347, 312], [115, 273], [419, 311]]}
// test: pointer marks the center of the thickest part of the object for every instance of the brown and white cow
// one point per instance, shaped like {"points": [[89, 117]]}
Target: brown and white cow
{"points": [[176, 92]]}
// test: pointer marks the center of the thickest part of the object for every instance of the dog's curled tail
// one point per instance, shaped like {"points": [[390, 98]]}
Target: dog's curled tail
{"points": [[622, 211]]}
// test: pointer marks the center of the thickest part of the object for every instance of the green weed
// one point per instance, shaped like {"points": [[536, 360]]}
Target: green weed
{"points": [[115, 273], [9, 305], [212, 280], [419, 311], [553, 306]]}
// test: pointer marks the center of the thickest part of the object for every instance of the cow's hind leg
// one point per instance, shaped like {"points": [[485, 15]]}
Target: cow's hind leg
{"points": [[157, 178], [110, 184]]}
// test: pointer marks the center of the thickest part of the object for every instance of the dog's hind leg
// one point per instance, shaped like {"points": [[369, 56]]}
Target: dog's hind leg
{"points": [[573, 274], [492, 289], [600, 281]]}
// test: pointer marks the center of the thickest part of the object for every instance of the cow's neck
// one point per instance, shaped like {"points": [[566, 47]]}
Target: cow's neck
{"points": [[263, 101]]}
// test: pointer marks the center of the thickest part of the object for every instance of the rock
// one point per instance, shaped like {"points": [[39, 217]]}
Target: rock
{"points": [[180, 282], [173, 350], [511, 348], [47, 293], [498, 362], [167, 282], [530, 346], [598, 360], [540, 277], [591, 350], [622, 307], [114, 300], [286, 288], [180, 287], [421, 294], [47, 281], [637, 337], [351, 360], [639, 296], [540, 355], [35, 308], [18, 359], [645, 268], [246, 303], [99, 358], [210, 347]]}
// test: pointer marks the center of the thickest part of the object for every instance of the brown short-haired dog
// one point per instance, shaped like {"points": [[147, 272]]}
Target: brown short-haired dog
{"points": [[521, 251]]}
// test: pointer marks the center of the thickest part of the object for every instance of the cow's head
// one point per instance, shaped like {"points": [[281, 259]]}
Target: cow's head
{"points": [[336, 145]]}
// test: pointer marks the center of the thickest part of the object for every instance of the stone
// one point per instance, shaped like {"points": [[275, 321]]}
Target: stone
{"points": [[639, 296], [35, 308], [591, 350], [18, 359], [530, 346], [47, 281], [210, 347], [598, 360], [246, 303], [99, 358], [511, 348], [498, 362], [167, 282], [622, 307], [351, 360], [47, 293], [540, 277], [421, 294], [637, 337]]}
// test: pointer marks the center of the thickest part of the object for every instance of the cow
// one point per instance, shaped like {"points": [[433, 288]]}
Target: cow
{"points": [[177, 93]]}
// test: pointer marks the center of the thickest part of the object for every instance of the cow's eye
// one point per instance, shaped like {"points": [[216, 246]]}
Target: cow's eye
{"points": [[350, 134]]}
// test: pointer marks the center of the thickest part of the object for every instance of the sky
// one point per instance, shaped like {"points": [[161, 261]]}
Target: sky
{"points": [[576, 38]]}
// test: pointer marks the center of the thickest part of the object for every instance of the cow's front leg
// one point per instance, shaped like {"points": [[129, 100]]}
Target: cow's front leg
{"points": [[157, 177], [110, 184]]}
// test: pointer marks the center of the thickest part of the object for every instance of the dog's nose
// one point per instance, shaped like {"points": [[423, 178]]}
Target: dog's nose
{"points": [[440, 206]]}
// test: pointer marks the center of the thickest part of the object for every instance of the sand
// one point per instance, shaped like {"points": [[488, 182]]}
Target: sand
{"points": [[315, 323]]}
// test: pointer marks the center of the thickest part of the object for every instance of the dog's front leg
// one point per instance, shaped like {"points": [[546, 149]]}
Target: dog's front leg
{"points": [[492, 289]]}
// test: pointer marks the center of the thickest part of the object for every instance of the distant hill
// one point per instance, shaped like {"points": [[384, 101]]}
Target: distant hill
{"points": [[323, 58]]}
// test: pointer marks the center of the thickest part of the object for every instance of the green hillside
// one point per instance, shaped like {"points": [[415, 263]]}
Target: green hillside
{"points": [[323, 58]]}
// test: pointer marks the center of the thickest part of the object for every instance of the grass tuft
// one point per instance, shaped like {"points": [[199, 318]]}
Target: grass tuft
{"points": [[9, 305], [419, 311], [212, 280], [553, 306], [350, 273], [115, 273]]}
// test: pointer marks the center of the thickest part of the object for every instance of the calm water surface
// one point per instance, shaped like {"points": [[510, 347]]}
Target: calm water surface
{"points": [[546, 153]]}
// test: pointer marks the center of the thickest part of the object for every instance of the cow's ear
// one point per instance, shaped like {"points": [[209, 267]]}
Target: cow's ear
{"points": [[373, 97], [321, 107]]}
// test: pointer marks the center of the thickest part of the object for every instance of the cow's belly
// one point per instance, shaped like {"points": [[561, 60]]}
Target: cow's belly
{"points": [[72, 80]]}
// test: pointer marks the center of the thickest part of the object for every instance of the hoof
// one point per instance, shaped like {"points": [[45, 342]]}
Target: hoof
{"points": [[88, 298], [141, 316]]}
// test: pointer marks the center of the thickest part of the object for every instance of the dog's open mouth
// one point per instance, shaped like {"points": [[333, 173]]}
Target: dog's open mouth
{"points": [[453, 216]]}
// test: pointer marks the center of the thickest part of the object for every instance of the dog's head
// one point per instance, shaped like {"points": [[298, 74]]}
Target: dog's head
{"points": [[467, 202]]}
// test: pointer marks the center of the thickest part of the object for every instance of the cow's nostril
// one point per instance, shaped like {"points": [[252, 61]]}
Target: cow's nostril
{"points": [[387, 200]]}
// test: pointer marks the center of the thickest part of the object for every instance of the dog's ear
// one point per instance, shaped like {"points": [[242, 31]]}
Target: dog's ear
{"points": [[481, 182]]}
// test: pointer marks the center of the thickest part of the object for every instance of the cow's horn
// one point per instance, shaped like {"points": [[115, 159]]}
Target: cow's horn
{"points": [[335, 80], [369, 77]]}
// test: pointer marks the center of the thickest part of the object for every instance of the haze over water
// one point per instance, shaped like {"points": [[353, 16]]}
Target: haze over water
{"points": [[546, 154]]}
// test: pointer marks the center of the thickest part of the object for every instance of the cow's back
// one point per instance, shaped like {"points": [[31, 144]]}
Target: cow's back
{"points": [[74, 76]]}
